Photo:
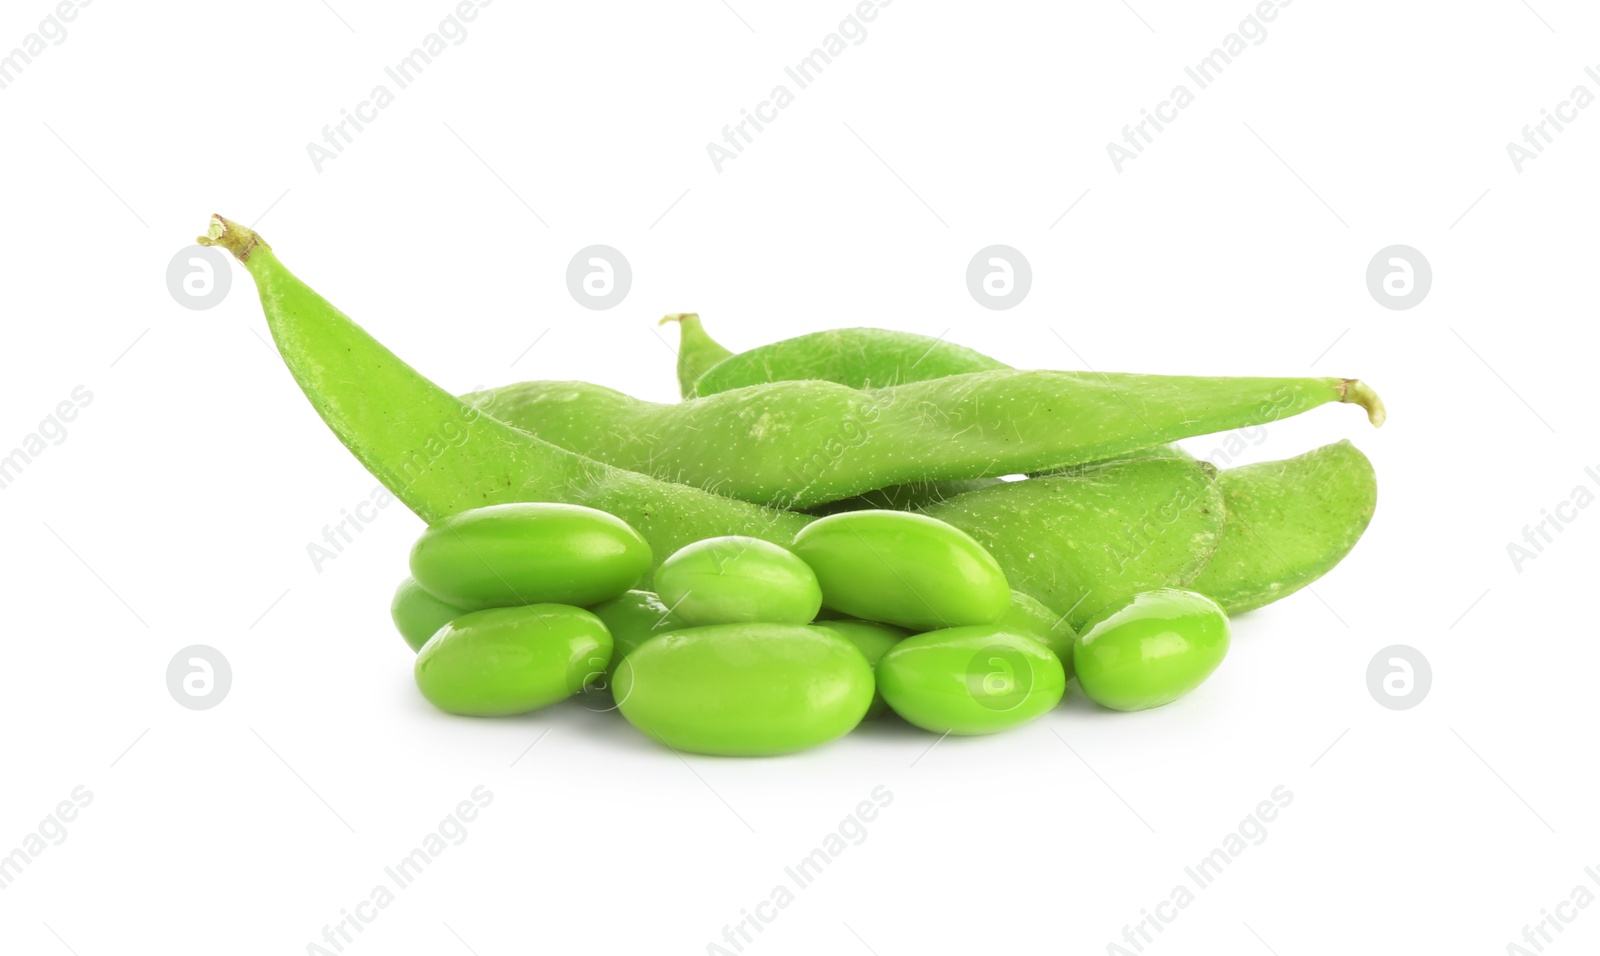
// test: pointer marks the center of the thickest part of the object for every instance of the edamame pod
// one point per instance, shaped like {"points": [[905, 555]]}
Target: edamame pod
{"points": [[970, 680], [418, 615], [697, 350], [853, 357], [1158, 648], [802, 443], [510, 660], [1296, 518], [739, 580], [905, 569], [1093, 538], [858, 358], [529, 553], [744, 690], [1289, 522], [441, 455]]}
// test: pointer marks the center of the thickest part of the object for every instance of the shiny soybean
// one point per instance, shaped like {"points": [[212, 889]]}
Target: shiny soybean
{"points": [[744, 689], [1028, 616], [970, 680], [529, 553], [1153, 651], [511, 660], [738, 580], [417, 615], [873, 641], [634, 617], [905, 569]]}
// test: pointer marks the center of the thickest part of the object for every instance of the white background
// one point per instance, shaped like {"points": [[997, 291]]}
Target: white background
{"points": [[179, 507]]}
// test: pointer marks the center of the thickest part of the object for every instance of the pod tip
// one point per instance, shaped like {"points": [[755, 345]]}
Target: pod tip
{"points": [[684, 318], [1356, 392], [237, 239]]}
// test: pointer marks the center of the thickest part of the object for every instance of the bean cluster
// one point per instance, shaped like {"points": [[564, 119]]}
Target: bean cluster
{"points": [[516, 607]]}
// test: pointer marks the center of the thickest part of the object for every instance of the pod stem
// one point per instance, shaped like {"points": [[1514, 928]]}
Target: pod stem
{"points": [[237, 239], [697, 351], [1353, 391]]}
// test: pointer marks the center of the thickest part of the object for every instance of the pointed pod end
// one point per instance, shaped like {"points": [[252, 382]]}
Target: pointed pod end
{"points": [[1356, 392], [684, 318], [229, 235]]}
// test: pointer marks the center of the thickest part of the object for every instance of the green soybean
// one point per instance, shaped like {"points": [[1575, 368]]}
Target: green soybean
{"points": [[529, 553], [511, 660], [873, 641], [744, 689], [739, 580], [1031, 618], [1156, 649], [1289, 522], [905, 569], [634, 617], [970, 680], [417, 615], [803, 443], [441, 455]]}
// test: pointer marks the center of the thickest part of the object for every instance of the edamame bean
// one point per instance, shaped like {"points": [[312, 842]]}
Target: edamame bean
{"points": [[417, 615], [529, 553], [634, 617], [738, 580], [1029, 617], [905, 569], [1155, 650], [970, 680], [510, 660], [873, 641], [744, 689]]}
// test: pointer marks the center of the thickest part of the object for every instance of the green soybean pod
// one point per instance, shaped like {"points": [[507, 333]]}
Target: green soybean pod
{"points": [[511, 660], [738, 580], [418, 615], [804, 443], [902, 568], [1092, 538], [529, 553], [746, 690], [859, 358], [1029, 617], [634, 617], [970, 680], [698, 352], [1288, 523], [873, 641], [1153, 651]]}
